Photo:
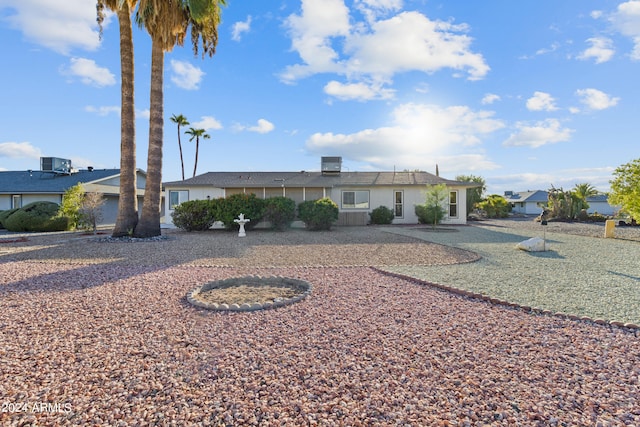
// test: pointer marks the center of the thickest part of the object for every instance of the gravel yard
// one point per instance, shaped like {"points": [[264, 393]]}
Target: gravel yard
{"points": [[100, 333]]}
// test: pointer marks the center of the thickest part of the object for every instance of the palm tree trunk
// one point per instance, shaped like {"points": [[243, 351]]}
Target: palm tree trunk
{"points": [[128, 201], [149, 224], [180, 148], [195, 164]]}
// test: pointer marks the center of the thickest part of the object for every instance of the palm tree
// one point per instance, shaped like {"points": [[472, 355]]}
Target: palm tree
{"points": [[128, 201], [197, 134], [167, 22], [181, 120], [585, 190]]}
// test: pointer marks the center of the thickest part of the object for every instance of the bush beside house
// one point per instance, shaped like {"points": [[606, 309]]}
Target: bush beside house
{"points": [[36, 216]]}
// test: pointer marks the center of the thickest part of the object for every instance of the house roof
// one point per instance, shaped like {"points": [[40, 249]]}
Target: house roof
{"points": [[528, 197], [24, 182], [314, 179]]}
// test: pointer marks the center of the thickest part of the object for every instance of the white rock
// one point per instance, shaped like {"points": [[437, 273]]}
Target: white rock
{"points": [[535, 244]]}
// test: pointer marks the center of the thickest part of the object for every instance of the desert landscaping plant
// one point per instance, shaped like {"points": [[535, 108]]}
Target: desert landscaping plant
{"points": [[381, 215], [194, 215], [37, 216], [433, 209], [230, 207], [625, 188], [280, 212], [318, 214], [494, 206], [91, 211]]}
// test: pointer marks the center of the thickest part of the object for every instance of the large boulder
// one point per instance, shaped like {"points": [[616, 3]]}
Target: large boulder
{"points": [[535, 244]]}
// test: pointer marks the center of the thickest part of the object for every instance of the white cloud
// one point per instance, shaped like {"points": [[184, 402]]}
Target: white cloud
{"points": [[104, 110], [185, 75], [311, 34], [626, 19], [357, 91], [541, 133], [143, 114], [207, 123], [541, 101], [490, 98], [57, 25], [601, 50], [263, 126], [376, 50], [596, 99], [239, 28], [89, 72], [19, 150], [420, 136], [372, 9], [596, 14]]}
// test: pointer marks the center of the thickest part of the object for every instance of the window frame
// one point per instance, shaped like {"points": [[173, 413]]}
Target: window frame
{"points": [[14, 198], [453, 204], [354, 205], [172, 206], [397, 204]]}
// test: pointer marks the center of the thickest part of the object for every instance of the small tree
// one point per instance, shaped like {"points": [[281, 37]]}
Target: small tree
{"points": [[625, 188], [91, 211], [433, 210], [71, 205]]}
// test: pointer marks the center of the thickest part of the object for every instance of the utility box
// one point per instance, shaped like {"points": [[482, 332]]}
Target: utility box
{"points": [[609, 229], [55, 165]]}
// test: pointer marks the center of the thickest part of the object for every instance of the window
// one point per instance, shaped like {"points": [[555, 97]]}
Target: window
{"points": [[16, 201], [398, 210], [177, 197], [355, 200], [453, 204]]}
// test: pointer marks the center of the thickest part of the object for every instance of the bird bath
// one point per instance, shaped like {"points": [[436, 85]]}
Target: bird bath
{"points": [[241, 221]]}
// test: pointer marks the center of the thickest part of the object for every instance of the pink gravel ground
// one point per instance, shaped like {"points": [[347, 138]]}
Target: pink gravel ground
{"points": [[119, 345]]}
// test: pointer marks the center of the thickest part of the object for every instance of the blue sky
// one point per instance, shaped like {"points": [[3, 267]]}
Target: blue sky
{"points": [[526, 94]]}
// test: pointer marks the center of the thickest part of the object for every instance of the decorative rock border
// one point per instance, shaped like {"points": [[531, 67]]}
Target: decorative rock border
{"points": [[534, 310], [303, 288]]}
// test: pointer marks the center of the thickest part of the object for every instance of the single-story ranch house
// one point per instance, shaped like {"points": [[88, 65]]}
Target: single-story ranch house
{"points": [[355, 193], [19, 188], [531, 202]]}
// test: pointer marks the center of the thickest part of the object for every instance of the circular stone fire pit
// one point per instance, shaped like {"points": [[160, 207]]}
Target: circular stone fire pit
{"points": [[249, 293]]}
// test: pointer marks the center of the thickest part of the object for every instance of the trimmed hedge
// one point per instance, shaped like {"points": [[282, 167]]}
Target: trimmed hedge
{"points": [[37, 216], [318, 214], [6, 214], [194, 215], [227, 209], [280, 212], [381, 215]]}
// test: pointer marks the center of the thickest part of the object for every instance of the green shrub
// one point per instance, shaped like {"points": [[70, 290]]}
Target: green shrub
{"points": [[230, 207], [37, 216], [495, 206], [194, 215], [6, 214], [71, 205], [596, 217], [318, 214], [381, 215], [429, 214], [280, 212]]}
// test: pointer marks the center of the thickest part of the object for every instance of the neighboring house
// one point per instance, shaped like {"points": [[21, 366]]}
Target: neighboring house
{"points": [[19, 188], [600, 204], [527, 202], [531, 203], [355, 193]]}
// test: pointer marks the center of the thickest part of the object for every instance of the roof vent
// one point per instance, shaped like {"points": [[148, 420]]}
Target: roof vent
{"points": [[331, 165], [55, 165]]}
